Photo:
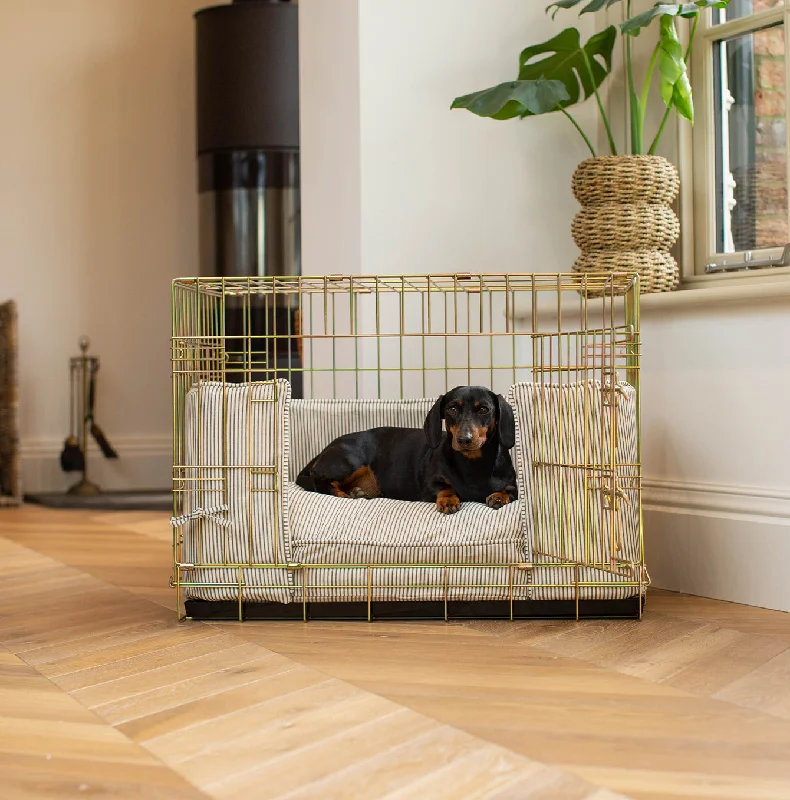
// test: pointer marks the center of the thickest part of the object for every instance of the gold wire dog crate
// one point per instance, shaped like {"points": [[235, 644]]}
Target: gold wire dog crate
{"points": [[365, 351]]}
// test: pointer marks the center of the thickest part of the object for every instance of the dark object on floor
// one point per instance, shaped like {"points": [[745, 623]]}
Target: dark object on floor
{"points": [[96, 432], [72, 459], [107, 501], [380, 611], [108, 451]]}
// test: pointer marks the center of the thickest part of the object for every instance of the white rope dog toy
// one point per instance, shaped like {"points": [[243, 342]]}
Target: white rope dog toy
{"points": [[212, 513]]}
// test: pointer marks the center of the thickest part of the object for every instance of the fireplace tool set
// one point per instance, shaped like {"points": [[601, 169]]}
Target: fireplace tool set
{"points": [[83, 371]]}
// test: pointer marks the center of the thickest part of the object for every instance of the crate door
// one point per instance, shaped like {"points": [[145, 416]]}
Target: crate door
{"points": [[582, 455]]}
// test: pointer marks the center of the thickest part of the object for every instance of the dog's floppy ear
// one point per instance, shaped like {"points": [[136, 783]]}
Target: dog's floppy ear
{"points": [[433, 423], [506, 423]]}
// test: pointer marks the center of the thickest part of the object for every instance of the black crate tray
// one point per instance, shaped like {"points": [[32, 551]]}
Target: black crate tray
{"points": [[628, 608]]}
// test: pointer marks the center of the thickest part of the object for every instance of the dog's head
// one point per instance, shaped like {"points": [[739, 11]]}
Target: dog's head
{"points": [[472, 415]]}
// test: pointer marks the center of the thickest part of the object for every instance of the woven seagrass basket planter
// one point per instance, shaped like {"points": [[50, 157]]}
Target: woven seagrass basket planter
{"points": [[626, 221]]}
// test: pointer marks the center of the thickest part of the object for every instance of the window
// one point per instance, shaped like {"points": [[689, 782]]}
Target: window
{"points": [[740, 139]]}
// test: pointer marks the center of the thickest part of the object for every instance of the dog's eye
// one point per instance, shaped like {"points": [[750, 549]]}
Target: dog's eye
{"points": [[452, 410], [483, 410]]}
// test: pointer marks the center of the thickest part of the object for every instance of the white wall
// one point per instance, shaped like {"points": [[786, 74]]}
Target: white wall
{"points": [[97, 214], [438, 190], [330, 155], [444, 190], [716, 428]]}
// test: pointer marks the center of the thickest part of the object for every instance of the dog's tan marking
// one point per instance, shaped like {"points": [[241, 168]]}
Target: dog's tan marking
{"points": [[447, 501], [337, 489], [473, 449], [471, 454], [497, 499], [364, 480]]}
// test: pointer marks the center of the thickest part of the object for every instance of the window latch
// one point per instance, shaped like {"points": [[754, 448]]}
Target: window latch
{"points": [[748, 262]]}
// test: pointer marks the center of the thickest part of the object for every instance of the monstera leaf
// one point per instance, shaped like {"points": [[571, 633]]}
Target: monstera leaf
{"points": [[634, 25], [552, 75], [582, 69], [674, 85], [515, 99], [590, 7]]}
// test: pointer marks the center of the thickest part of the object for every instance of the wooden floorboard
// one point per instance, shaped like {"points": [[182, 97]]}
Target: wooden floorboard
{"points": [[200, 707], [53, 746], [691, 702], [565, 712]]}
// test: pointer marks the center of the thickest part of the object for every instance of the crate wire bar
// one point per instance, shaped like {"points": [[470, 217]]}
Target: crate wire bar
{"points": [[417, 336]]}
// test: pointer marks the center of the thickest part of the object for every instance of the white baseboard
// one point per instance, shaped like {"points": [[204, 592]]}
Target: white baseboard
{"points": [[144, 462], [727, 542], [703, 497]]}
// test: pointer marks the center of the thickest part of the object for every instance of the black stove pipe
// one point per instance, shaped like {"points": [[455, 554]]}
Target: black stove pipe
{"points": [[248, 172]]}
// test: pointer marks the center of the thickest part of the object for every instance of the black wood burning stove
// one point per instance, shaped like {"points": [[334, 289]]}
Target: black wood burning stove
{"points": [[248, 174]]}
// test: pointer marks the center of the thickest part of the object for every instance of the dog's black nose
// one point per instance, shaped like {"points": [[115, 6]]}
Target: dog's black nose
{"points": [[465, 438]]}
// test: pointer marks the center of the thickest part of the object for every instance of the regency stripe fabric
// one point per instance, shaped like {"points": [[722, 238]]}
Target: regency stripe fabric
{"points": [[576, 455], [237, 453]]}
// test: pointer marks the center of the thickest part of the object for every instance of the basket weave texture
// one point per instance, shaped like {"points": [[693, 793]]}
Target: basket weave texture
{"points": [[657, 271], [626, 221], [10, 480], [631, 226]]}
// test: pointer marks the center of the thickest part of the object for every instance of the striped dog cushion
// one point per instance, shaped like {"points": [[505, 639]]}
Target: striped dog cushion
{"points": [[583, 483], [244, 427], [415, 583], [331, 530]]}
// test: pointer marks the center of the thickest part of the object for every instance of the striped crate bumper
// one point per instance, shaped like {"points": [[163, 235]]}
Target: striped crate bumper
{"points": [[279, 543]]}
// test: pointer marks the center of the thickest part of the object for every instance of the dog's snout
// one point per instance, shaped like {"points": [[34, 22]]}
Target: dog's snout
{"points": [[465, 437]]}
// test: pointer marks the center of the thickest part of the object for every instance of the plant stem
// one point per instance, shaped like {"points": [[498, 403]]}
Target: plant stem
{"points": [[646, 86], [654, 146], [612, 145], [578, 128], [633, 112]]}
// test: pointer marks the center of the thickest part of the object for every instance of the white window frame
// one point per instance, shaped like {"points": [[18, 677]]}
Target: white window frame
{"points": [[698, 207]]}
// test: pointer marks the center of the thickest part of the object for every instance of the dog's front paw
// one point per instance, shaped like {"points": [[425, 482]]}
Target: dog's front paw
{"points": [[497, 499], [359, 492], [448, 503]]}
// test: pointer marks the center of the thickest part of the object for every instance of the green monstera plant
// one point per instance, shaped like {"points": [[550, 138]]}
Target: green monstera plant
{"points": [[563, 71]]}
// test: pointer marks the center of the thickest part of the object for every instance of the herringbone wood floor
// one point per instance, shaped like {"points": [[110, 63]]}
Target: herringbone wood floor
{"points": [[103, 694]]}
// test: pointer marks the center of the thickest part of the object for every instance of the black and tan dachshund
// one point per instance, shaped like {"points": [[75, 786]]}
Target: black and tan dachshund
{"points": [[469, 462]]}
